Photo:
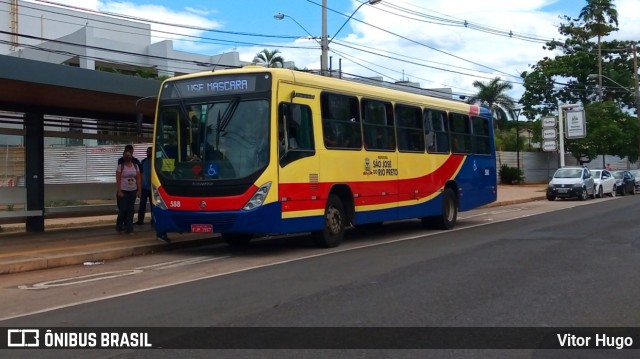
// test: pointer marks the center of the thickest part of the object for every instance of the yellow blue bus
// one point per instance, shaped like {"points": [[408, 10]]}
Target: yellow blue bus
{"points": [[253, 151]]}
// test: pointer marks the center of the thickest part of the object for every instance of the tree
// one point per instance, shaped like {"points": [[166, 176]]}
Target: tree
{"points": [[564, 78], [609, 131], [600, 19], [269, 58], [492, 94]]}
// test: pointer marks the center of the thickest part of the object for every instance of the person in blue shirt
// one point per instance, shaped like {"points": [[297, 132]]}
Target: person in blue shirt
{"points": [[145, 194]]}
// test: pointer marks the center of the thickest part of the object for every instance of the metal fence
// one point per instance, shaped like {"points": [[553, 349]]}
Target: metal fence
{"points": [[539, 167], [68, 164]]}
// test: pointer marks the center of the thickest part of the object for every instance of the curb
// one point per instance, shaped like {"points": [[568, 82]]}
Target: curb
{"points": [[24, 263], [46, 261], [515, 201]]}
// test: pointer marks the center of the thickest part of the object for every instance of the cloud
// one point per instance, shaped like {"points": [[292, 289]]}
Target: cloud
{"points": [[432, 51], [483, 54], [195, 18]]}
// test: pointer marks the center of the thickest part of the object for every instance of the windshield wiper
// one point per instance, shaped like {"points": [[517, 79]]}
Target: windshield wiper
{"points": [[225, 118]]}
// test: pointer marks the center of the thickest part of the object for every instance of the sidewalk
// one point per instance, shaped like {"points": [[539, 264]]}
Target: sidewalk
{"points": [[91, 239]]}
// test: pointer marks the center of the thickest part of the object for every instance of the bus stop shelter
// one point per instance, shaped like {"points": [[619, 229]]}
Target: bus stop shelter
{"points": [[37, 89]]}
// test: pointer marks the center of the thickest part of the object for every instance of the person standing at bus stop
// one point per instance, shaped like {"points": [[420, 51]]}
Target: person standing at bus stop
{"points": [[133, 159], [145, 194], [128, 181]]}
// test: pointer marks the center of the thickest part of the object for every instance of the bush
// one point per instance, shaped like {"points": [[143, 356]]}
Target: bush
{"points": [[511, 175]]}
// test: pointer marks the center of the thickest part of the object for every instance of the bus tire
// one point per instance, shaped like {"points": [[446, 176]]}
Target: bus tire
{"points": [[334, 223], [237, 239], [447, 219]]}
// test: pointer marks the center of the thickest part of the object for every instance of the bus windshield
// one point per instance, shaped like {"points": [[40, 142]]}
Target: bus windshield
{"points": [[207, 141]]}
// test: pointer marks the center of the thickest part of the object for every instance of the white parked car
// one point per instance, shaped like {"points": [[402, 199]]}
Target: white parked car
{"points": [[605, 183]]}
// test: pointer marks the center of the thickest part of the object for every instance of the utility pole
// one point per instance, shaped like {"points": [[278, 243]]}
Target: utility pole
{"points": [[13, 27], [324, 43]]}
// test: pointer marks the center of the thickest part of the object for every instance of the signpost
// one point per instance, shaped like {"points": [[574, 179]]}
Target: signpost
{"points": [[576, 124], [548, 122], [549, 134], [550, 146], [561, 109]]}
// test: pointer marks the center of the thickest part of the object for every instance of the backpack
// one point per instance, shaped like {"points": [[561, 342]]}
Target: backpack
{"points": [[134, 165]]}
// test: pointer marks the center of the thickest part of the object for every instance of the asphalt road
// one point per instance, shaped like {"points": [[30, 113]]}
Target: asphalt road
{"points": [[560, 264]]}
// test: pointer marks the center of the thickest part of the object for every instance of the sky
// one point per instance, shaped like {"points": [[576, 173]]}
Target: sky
{"points": [[412, 40]]}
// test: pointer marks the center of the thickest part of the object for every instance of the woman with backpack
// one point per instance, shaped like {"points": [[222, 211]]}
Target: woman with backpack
{"points": [[128, 181]]}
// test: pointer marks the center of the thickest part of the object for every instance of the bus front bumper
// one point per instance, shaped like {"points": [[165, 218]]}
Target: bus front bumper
{"points": [[266, 219]]}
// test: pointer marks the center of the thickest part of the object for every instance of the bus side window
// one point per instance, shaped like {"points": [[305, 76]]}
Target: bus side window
{"points": [[460, 133], [409, 129], [481, 140], [436, 131], [295, 127], [379, 129], [340, 121]]}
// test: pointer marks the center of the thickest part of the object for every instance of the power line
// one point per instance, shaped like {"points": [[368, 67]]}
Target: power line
{"points": [[424, 65], [351, 58], [237, 43], [130, 26], [420, 43], [64, 52], [458, 22]]}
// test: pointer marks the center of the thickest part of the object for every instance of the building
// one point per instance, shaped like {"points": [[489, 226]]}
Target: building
{"points": [[95, 41], [91, 41]]}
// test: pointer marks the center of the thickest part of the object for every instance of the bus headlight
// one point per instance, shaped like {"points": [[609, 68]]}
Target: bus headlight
{"points": [[258, 198], [157, 198]]}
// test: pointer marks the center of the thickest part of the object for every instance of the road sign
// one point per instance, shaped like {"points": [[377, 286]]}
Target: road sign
{"points": [[549, 145], [548, 122], [549, 133], [576, 124]]}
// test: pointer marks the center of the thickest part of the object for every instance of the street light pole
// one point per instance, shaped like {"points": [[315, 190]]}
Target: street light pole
{"points": [[280, 16], [516, 114], [324, 42]]}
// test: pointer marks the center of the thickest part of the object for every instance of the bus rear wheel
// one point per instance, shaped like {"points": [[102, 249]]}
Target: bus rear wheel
{"points": [[334, 223], [237, 239], [449, 215]]}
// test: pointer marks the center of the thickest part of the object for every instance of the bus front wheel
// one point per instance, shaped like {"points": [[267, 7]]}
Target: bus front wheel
{"points": [[334, 223], [449, 215]]}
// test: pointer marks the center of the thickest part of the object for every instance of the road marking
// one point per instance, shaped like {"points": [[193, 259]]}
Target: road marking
{"points": [[68, 305], [117, 274], [181, 262], [80, 279], [493, 212]]}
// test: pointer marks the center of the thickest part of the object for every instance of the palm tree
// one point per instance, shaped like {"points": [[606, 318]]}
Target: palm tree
{"points": [[269, 58], [599, 17], [493, 95]]}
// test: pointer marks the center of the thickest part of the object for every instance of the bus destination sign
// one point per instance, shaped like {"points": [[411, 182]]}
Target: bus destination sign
{"points": [[214, 85]]}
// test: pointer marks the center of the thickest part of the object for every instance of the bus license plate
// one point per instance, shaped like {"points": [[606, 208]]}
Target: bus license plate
{"points": [[201, 228]]}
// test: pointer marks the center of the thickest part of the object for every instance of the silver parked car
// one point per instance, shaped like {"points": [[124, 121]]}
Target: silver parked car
{"points": [[570, 182]]}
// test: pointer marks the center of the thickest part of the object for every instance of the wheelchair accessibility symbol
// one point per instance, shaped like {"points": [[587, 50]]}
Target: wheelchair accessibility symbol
{"points": [[212, 170]]}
